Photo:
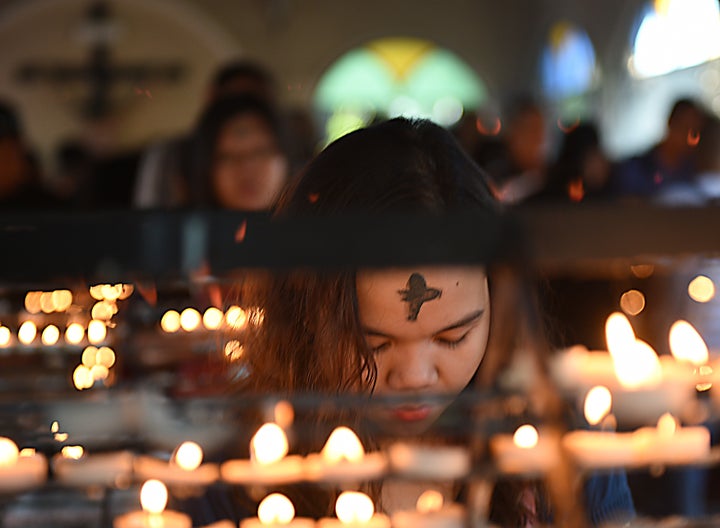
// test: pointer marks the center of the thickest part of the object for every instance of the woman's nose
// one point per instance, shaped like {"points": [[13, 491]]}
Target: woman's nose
{"points": [[412, 369]]}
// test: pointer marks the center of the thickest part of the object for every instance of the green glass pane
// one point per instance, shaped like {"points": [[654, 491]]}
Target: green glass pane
{"points": [[358, 80], [441, 74]]}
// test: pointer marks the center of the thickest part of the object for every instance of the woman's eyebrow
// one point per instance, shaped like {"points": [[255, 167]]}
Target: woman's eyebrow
{"points": [[470, 318]]}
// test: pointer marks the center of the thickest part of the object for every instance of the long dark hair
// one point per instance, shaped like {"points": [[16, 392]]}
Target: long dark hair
{"points": [[311, 338]]}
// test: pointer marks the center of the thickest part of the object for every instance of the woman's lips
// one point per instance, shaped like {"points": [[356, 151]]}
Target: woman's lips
{"points": [[412, 413]]}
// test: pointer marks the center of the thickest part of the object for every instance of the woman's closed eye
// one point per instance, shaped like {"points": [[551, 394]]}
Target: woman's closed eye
{"points": [[377, 344], [451, 341]]}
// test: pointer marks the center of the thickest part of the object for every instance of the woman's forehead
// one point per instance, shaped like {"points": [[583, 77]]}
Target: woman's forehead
{"points": [[410, 293]]}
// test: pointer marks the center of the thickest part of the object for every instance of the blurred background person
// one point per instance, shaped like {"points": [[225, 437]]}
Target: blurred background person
{"points": [[581, 170], [162, 180], [21, 184], [238, 155], [708, 160], [666, 171], [517, 161]]}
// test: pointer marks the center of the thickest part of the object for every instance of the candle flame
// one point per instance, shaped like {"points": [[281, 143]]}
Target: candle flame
{"points": [[27, 332], [111, 292], [343, 444], [82, 377], [8, 452], [97, 331], [276, 508], [189, 456], [619, 334], [73, 452], [639, 366], [666, 425], [598, 403], [62, 299], [430, 501], [74, 333], [5, 336], [212, 318], [526, 437], [269, 444], [686, 344], [50, 335], [236, 317], [27, 452], [354, 507], [153, 496], [105, 356], [190, 319], [170, 321]]}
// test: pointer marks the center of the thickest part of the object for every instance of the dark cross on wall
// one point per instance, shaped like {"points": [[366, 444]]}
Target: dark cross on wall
{"points": [[99, 72]]}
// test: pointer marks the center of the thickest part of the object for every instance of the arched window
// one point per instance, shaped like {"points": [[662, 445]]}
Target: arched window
{"points": [[396, 77], [675, 34], [567, 62]]}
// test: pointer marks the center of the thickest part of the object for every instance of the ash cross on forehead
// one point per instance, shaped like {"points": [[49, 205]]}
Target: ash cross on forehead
{"points": [[417, 293]]}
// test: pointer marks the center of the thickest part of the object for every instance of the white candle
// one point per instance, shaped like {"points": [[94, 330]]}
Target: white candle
{"points": [[343, 459], [669, 443], [431, 512], [20, 471], [105, 469], [153, 498], [526, 451], [600, 449], [431, 462], [276, 511], [147, 467], [355, 510], [184, 468], [268, 462]]}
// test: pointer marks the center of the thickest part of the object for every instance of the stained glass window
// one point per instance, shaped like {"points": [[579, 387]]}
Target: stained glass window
{"points": [[396, 77], [567, 63], [675, 34]]}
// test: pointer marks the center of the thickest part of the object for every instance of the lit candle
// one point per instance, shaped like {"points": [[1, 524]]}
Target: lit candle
{"points": [[355, 510], [190, 319], [185, 467], [27, 332], [268, 462], [74, 333], [686, 344], [153, 498], [102, 469], [20, 470], [668, 443], [431, 462], [525, 451], [643, 385], [50, 335], [601, 449], [343, 459], [431, 512], [212, 318], [276, 511]]}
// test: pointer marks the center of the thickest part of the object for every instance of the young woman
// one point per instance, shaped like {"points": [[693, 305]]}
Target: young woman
{"points": [[404, 335], [238, 155]]}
